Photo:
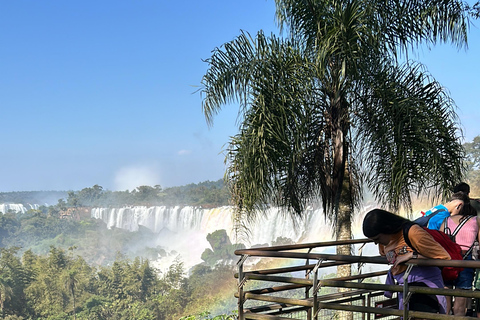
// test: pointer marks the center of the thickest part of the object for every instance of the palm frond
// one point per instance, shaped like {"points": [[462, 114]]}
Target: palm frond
{"points": [[409, 131]]}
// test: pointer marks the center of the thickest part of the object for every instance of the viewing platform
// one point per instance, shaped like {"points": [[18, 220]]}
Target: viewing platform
{"points": [[307, 288]]}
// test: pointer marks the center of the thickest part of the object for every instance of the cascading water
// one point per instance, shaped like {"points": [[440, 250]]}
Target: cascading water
{"points": [[17, 207], [268, 227], [184, 229]]}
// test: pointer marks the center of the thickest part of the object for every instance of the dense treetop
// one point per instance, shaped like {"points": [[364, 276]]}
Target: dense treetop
{"points": [[208, 194]]}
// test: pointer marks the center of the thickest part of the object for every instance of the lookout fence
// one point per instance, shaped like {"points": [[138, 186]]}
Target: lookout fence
{"points": [[306, 286]]}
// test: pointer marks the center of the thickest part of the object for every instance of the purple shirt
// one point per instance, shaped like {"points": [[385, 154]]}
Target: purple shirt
{"points": [[431, 276]]}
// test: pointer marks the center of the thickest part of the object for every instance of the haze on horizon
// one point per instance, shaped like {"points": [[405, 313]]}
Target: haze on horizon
{"points": [[105, 92]]}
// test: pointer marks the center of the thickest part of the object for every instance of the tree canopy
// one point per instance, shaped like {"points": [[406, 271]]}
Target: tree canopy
{"points": [[329, 108]]}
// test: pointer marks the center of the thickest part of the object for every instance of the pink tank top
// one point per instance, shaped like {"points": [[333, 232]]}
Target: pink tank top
{"points": [[467, 234]]}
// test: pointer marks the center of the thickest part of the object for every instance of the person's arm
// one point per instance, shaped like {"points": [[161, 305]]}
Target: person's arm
{"points": [[442, 226], [478, 236], [478, 224], [407, 256]]}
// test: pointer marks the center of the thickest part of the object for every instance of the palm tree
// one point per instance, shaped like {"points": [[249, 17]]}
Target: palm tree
{"points": [[329, 109], [71, 282]]}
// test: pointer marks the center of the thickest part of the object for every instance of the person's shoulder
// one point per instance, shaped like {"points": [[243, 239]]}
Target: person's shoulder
{"points": [[439, 207], [478, 220], [417, 229]]}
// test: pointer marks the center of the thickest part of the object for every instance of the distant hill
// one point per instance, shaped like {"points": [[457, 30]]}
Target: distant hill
{"points": [[33, 197], [206, 194]]}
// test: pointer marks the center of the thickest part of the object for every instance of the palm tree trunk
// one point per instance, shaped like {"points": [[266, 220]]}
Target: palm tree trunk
{"points": [[74, 311], [344, 232]]}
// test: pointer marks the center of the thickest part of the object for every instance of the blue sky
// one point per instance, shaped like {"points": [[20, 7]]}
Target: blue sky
{"points": [[103, 92]]}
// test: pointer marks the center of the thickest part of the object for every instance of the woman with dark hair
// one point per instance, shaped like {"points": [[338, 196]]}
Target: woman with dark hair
{"points": [[464, 228], [386, 230]]}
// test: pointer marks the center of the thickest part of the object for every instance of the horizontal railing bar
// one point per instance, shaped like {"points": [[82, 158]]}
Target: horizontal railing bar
{"points": [[345, 307], [269, 307], [265, 317], [311, 245], [285, 270], [297, 268], [316, 256], [446, 292], [393, 312], [354, 277], [275, 309], [354, 259], [376, 293], [362, 276], [399, 288], [303, 281], [348, 299], [276, 289], [339, 295], [291, 301], [290, 310], [445, 263]]}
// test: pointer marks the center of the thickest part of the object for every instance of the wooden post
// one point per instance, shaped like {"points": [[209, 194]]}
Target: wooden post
{"points": [[241, 282]]}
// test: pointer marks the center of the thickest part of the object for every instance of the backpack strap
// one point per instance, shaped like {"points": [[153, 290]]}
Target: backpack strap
{"points": [[424, 220], [470, 249], [406, 227], [457, 229]]}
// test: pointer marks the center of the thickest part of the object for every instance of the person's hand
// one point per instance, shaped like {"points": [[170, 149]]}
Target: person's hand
{"points": [[403, 258]]}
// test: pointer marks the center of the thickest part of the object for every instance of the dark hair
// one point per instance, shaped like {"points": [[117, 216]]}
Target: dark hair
{"points": [[380, 221], [462, 186], [466, 209], [460, 195]]}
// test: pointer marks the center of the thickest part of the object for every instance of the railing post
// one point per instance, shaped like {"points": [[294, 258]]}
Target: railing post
{"points": [[369, 304], [241, 282], [315, 288], [406, 292], [307, 289]]}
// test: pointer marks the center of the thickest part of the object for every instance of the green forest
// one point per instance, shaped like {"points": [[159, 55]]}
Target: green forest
{"points": [[68, 269], [62, 285]]}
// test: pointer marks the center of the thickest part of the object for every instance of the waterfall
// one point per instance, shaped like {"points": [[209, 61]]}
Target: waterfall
{"points": [[270, 225], [184, 229], [17, 207]]}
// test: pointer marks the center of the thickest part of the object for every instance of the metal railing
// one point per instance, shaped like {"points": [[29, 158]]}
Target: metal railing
{"points": [[303, 290]]}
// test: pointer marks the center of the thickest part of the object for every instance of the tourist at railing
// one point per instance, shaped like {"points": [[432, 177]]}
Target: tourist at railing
{"points": [[471, 208], [464, 230], [434, 217], [386, 230]]}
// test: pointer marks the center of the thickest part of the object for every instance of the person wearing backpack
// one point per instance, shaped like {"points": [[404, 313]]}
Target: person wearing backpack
{"points": [[463, 229], [386, 230], [434, 217], [471, 208]]}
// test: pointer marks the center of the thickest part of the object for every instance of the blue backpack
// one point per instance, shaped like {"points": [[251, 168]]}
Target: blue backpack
{"points": [[437, 216]]}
